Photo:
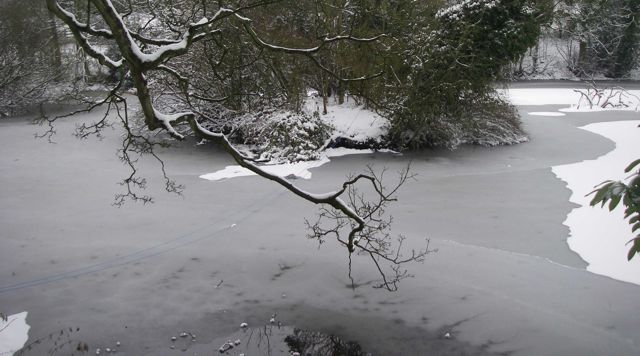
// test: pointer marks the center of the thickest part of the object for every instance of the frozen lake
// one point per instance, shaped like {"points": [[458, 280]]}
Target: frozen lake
{"points": [[503, 280]]}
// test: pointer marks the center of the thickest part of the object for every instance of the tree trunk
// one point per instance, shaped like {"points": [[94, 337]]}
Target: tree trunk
{"points": [[55, 39], [582, 58], [625, 58], [325, 96], [534, 58]]}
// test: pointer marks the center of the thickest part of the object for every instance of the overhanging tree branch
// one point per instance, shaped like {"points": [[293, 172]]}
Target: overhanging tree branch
{"points": [[349, 210]]}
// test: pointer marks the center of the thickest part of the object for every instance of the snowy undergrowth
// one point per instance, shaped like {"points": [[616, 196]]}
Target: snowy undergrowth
{"points": [[284, 136]]}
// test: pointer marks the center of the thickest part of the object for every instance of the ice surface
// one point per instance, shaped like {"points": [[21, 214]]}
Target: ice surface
{"points": [[597, 235], [13, 333], [494, 283]]}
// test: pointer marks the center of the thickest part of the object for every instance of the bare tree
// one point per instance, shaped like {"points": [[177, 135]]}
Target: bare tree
{"points": [[147, 50]]}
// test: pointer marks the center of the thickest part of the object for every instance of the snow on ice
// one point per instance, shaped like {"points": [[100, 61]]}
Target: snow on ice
{"points": [[288, 170], [546, 113], [14, 333], [597, 235]]}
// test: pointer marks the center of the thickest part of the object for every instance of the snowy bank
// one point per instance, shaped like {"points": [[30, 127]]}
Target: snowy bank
{"points": [[14, 333], [351, 120], [597, 235], [556, 96]]}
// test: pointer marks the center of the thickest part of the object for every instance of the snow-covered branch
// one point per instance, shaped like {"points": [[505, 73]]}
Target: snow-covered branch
{"points": [[326, 40], [80, 32]]}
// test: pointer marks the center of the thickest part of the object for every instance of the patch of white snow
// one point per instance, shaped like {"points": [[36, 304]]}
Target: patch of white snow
{"points": [[290, 170], [341, 151], [350, 119], [14, 333], [546, 113]]}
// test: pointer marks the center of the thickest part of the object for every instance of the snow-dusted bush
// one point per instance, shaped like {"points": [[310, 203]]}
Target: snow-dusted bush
{"points": [[480, 119], [493, 122], [282, 135]]}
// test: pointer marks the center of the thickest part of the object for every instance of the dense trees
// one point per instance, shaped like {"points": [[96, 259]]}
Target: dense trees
{"points": [[593, 38], [607, 35]]}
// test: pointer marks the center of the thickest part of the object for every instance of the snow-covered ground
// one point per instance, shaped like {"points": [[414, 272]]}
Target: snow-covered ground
{"points": [[14, 333], [350, 120]]}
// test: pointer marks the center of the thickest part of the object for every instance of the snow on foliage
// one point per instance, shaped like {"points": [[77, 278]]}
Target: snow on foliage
{"points": [[281, 136], [456, 11], [292, 137]]}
